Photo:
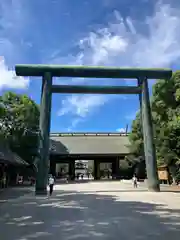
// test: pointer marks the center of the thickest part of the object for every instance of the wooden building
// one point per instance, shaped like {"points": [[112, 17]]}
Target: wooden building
{"points": [[10, 164], [99, 147]]}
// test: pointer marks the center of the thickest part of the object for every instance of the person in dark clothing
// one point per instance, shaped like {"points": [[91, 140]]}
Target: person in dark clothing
{"points": [[51, 185]]}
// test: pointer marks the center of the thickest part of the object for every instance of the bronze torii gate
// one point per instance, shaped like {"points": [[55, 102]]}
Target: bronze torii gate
{"points": [[47, 72]]}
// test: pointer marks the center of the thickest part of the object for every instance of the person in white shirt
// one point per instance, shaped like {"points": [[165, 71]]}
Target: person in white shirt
{"points": [[51, 185], [135, 181]]}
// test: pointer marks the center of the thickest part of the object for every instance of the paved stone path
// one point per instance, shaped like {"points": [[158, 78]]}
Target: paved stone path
{"points": [[95, 210]]}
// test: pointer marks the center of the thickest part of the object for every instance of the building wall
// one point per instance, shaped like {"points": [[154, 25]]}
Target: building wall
{"points": [[87, 163], [62, 165], [90, 164], [104, 166]]}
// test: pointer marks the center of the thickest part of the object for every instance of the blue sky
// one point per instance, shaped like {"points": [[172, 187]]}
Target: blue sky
{"points": [[120, 33]]}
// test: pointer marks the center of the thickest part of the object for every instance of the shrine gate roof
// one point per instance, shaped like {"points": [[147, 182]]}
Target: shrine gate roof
{"points": [[90, 143]]}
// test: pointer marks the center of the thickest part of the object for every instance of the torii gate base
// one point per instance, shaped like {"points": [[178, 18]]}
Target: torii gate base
{"points": [[49, 71]]}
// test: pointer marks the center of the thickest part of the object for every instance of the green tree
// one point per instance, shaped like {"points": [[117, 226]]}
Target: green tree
{"points": [[19, 121], [136, 137], [165, 106]]}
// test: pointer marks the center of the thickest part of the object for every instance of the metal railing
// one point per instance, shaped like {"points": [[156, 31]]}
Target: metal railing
{"points": [[88, 134]]}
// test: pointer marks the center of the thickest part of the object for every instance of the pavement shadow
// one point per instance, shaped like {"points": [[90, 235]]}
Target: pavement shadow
{"points": [[74, 181], [78, 215], [14, 192]]}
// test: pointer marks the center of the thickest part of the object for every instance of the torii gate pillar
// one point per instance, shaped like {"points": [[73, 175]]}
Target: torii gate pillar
{"points": [[44, 127]]}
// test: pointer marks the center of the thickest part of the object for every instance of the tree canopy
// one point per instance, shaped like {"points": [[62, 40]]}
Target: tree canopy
{"points": [[165, 107], [19, 121]]}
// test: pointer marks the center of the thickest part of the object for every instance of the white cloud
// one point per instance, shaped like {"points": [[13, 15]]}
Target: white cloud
{"points": [[119, 45], [14, 16], [13, 25], [74, 123], [103, 46], [121, 130], [8, 78], [81, 105], [122, 44]]}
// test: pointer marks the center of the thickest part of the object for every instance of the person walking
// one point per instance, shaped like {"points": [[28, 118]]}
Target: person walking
{"points": [[51, 185], [135, 181], [67, 178], [4, 181]]}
